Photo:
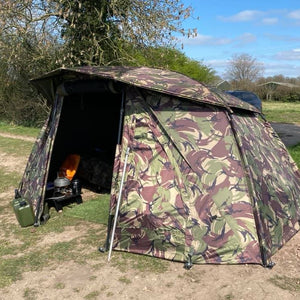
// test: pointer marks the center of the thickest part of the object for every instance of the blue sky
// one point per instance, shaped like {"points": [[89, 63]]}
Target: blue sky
{"points": [[267, 30]]}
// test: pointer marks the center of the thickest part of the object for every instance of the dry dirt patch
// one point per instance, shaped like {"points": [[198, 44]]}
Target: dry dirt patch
{"points": [[100, 280], [19, 137], [12, 163]]}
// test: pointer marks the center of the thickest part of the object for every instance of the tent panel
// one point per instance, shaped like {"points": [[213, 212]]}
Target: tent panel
{"points": [[173, 211], [203, 136], [149, 221], [33, 184], [276, 181]]}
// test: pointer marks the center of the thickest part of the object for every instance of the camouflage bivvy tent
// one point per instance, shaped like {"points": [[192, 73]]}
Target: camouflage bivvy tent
{"points": [[200, 175]]}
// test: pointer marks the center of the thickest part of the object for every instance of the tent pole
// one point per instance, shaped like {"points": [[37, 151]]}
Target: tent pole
{"points": [[118, 205], [121, 119], [110, 217]]}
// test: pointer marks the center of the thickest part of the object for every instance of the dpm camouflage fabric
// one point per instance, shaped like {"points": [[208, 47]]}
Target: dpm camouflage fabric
{"points": [[206, 181], [185, 196], [163, 81], [34, 181], [275, 179]]}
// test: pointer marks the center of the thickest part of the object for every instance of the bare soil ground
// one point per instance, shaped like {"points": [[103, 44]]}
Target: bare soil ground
{"points": [[98, 279]]}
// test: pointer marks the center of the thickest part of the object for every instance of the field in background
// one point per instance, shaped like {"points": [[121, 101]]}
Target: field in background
{"points": [[282, 112]]}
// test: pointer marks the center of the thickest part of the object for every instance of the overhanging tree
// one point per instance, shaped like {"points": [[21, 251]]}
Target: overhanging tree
{"points": [[39, 35], [28, 48], [97, 32], [109, 32]]}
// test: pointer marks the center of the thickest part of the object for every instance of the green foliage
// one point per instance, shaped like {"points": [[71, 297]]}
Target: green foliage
{"points": [[19, 103], [290, 97], [100, 32], [175, 60], [195, 70], [39, 36], [286, 95], [279, 88], [88, 31], [27, 50], [295, 153]]}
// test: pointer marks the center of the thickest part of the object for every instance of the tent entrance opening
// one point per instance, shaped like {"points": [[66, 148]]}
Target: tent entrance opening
{"points": [[88, 127]]}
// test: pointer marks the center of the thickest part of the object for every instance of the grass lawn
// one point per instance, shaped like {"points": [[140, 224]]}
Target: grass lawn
{"points": [[15, 147], [295, 153], [19, 130], [95, 210], [284, 112]]}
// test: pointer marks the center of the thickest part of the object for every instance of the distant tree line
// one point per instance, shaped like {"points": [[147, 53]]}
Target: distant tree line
{"points": [[244, 72], [278, 88]]}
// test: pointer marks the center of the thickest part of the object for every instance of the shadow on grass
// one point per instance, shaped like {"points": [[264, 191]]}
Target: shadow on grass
{"points": [[95, 210]]}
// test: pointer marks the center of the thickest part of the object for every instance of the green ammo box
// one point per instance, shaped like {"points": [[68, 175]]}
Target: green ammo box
{"points": [[23, 211]]}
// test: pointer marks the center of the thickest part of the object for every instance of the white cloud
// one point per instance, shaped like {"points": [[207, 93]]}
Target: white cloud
{"points": [[293, 54], [246, 38], [217, 63], [208, 40], [289, 70], [294, 14], [243, 16], [284, 38], [268, 17], [270, 21], [205, 40]]}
